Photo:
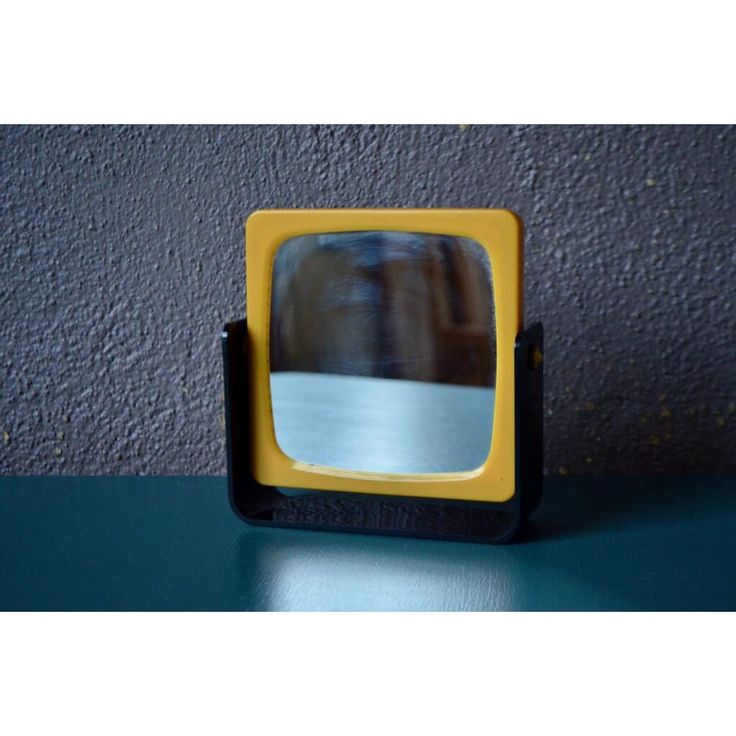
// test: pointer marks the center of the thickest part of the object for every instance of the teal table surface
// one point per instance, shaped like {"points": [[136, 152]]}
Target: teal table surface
{"points": [[154, 543]]}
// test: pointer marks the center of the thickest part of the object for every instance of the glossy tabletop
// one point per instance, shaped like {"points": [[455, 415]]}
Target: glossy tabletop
{"points": [[154, 543]]}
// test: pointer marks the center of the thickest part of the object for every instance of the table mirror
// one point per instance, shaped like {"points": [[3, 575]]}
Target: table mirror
{"points": [[383, 379]]}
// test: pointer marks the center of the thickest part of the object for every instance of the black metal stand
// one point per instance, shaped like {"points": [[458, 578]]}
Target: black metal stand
{"points": [[379, 514]]}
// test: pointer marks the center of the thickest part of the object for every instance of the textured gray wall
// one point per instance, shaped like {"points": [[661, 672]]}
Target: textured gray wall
{"points": [[122, 257]]}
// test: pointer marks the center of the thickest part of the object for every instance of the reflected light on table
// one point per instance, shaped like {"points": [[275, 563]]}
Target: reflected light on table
{"points": [[304, 571]]}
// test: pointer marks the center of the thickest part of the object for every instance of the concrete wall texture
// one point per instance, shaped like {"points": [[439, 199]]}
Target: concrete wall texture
{"points": [[122, 256]]}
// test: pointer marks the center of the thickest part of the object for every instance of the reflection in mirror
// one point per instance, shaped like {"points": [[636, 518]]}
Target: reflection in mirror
{"points": [[382, 351]]}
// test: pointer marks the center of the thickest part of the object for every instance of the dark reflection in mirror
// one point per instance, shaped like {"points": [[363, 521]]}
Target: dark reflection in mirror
{"points": [[382, 351]]}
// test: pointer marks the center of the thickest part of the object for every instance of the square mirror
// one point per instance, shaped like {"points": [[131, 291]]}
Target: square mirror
{"points": [[382, 351], [382, 380]]}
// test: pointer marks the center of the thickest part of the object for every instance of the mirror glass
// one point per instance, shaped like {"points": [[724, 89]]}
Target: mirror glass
{"points": [[383, 351]]}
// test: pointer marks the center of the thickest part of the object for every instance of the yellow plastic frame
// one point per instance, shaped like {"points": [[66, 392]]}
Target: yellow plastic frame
{"points": [[499, 232]]}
